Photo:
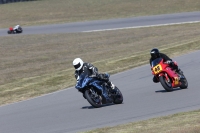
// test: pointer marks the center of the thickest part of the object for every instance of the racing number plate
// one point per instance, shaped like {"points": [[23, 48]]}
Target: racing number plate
{"points": [[157, 69]]}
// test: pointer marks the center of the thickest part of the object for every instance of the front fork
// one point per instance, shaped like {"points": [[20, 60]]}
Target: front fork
{"points": [[166, 76], [93, 93]]}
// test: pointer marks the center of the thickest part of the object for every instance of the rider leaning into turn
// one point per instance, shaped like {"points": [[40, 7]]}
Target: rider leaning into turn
{"points": [[156, 54], [91, 71], [16, 27]]}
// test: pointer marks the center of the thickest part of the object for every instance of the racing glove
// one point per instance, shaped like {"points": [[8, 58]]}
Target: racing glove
{"points": [[169, 62]]}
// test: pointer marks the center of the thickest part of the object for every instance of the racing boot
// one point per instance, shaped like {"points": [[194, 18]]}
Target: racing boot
{"points": [[112, 86], [179, 71], [180, 74]]}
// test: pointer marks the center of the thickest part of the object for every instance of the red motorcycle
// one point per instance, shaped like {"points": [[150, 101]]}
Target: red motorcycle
{"points": [[16, 31], [168, 78]]}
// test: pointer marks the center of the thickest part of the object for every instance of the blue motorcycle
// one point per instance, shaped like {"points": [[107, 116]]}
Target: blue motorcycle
{"points": [[89, 87]]}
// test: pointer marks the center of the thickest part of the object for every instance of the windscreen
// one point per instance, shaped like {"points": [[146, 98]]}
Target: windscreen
{"points": [[156, 62]]}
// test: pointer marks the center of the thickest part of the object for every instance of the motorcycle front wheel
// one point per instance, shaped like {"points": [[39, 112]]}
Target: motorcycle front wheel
{"points": [[166, 85], [93, 98], [9, 32]]}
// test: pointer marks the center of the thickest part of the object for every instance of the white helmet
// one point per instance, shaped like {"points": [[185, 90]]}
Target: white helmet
{"points": [[78, 64]]}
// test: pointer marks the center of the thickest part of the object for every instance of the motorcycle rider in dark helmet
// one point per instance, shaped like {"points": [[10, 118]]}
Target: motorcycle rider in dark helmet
{"points": [[91, 71], [156, 54]]}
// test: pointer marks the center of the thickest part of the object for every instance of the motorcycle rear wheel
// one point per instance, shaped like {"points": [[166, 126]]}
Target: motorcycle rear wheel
{"points": [[184, 83], [166, 85], [95, 101], [118, 99]]}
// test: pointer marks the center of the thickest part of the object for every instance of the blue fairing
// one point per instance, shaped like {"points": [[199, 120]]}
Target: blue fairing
{"points": [[85, 81]]}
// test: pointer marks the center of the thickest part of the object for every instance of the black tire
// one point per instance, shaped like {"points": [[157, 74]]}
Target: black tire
{"points": [[118, 99], [167, 86], [184, 83], [95, 102], [9, 32], [20, 31]]}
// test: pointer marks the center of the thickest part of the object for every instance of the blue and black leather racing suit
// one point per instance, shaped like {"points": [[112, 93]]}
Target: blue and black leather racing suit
{"points": [[92, 71]]}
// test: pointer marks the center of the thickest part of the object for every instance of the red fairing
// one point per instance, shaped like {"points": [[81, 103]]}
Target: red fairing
{"points": [[170, 72], [163, 69], [11, 28]]}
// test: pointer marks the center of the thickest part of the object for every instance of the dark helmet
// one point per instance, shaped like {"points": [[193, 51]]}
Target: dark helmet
{"points": [[155, 53]]}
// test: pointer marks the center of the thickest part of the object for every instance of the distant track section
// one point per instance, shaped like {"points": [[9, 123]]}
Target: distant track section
{"points": [[111, 24], [11, 1]]}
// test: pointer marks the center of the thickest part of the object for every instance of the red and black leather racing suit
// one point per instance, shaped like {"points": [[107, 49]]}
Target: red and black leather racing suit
{"points": [[165, 58]]}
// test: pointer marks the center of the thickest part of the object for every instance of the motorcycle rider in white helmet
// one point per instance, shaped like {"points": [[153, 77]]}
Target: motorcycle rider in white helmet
{"points": [[91, 71], [17, 28]]}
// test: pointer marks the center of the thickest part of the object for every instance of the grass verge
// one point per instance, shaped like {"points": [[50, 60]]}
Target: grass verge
{"points": [[62, 11], [187, 122]]}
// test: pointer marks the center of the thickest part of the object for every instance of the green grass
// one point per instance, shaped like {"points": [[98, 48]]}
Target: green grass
{"points": [[62, 11]]}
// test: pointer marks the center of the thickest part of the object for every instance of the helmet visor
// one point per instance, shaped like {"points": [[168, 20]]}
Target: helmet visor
{"points": [[153, 55], [77, 66]]}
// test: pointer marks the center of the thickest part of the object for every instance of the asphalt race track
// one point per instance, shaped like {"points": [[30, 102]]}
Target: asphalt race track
{"points": [[67, 111], [110, 24]]}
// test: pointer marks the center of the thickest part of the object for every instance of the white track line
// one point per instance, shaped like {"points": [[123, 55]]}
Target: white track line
{"points": [[143, 26]]}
